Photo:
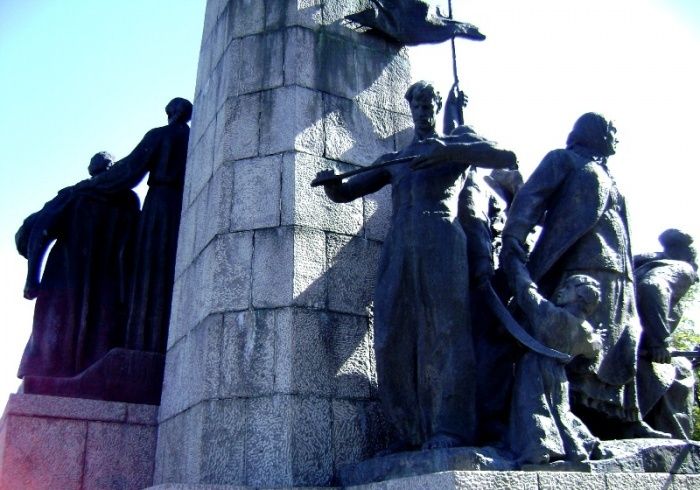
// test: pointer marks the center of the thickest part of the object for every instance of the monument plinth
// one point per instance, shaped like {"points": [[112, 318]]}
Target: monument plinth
{"points": [[269, 379]]}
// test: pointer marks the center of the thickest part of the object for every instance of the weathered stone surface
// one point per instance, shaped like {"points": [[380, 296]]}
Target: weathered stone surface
{"points": [[309, 283], [352, 264], [192, 371], [300, 57], [356, 133], [637, 456], [288, 266], [351, 352], [51, 442], [238, 125], [309, 206], [403, 129], [638, 463], [118, 456], [450, 480], [178, 450], [185, 243], [256, 193], [262, 62], [268, 418], [223, 441], [182, 312], [211, 16], [469, 480], [686, 482], [359, 431], [312, 451], [272, 274], [248, 354], [491, 480], [218, 280], [65, 408], [229, 273], [35, 447], [322, 354], [268, 448], [218, 40], [570, 480], [214, 215], [336, 66], [142, 414], [335, 10], [377, 214], [291, 121], [304, 353], [387, 77], [306, 13], [400, 465], [624, 481], [200, 165], [245, 17]]}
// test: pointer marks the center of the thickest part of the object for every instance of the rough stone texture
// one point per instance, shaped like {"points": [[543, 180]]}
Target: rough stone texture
{"points": [[248, 345], [350, 289], [223, 441], [377, 214], [272, 276], [640, 463], [213, 212], [52, 442], [623, 481], [686, 482], [177, 450], [192, 366], [309, 206], [238, 128], [118, 456], [416, 463], [269, 354], [256, 193], [355, 132], [67, 408], [492, 481], [42, 453], [572, 481], [359, 431], [292, 121], [309, 284]]}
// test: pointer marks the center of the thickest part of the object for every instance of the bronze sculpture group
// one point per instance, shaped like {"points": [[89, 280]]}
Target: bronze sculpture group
{"points": [[575, 381], [109, 276], [580, 353]]}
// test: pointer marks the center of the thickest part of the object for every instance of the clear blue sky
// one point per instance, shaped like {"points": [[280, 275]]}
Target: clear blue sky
{"points": [[80, 76]]}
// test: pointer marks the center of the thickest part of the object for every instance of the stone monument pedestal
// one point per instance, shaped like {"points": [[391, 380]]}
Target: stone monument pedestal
{"points": [[502, 480], [49, 442]]}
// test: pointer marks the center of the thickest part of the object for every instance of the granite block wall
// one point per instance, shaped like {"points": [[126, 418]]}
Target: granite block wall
{"points": [[270, 377]]}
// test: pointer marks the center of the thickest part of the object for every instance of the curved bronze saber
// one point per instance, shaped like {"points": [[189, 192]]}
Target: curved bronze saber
{"points": [[514, 328], [330, 178]]}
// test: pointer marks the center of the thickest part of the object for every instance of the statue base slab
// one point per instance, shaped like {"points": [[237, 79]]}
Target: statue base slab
{"points": [[644, 456], [122, 375], [49, 442], [463, 480]]}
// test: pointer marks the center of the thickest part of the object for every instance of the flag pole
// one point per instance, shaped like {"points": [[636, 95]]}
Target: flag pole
{"points": [[454, 48]]}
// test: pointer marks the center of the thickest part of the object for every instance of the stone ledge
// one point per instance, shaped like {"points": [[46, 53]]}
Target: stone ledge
{"points": [[498, 480], [79, 409], [49, 442], [637, 456]]}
